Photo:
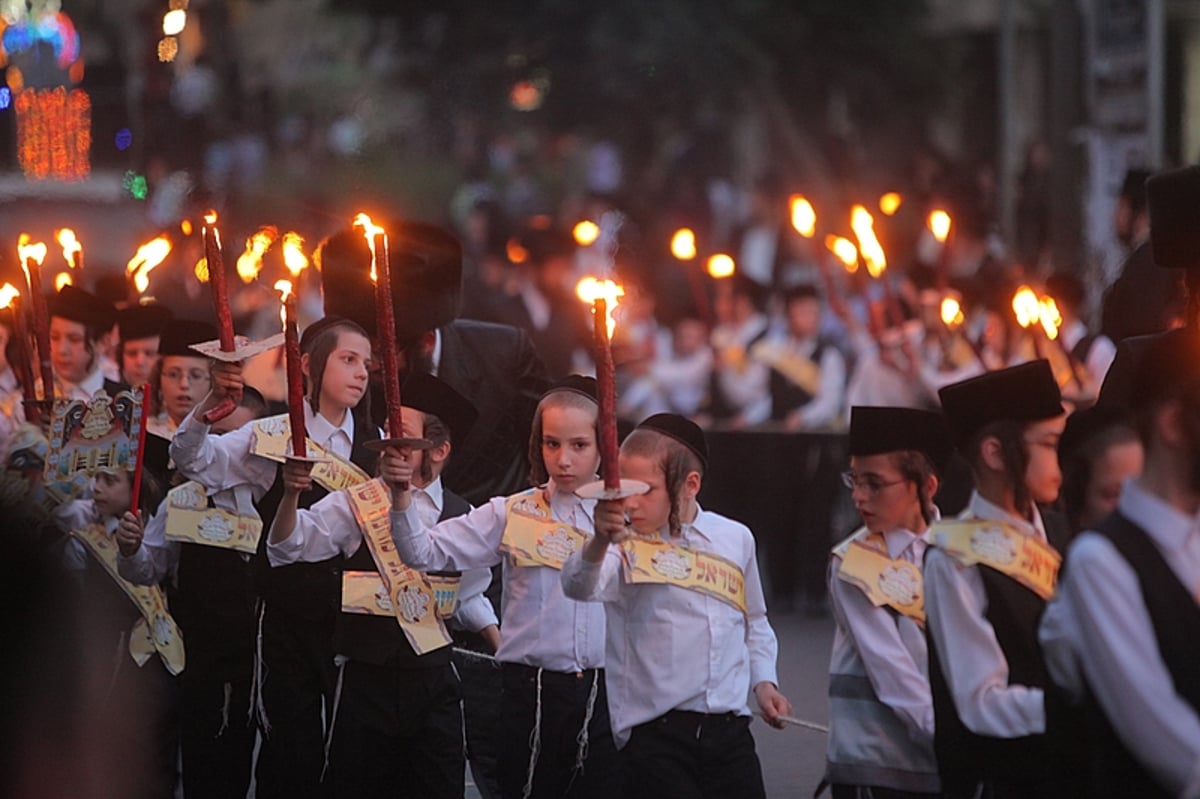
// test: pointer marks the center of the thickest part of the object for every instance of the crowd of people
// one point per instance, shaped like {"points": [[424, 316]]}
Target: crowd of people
{"points": [[369, 620]]}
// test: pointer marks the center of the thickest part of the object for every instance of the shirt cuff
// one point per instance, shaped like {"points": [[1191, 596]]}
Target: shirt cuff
{"points": [[286, 551], [580, 577], [763, 672]]}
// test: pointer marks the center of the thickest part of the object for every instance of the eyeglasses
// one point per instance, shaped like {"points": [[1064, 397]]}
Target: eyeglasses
{"points": [[193, 375], [872, 485]]}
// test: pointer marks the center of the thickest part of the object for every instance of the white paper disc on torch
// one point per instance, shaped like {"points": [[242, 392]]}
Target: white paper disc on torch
{"points": [[596, 490], [398, 443], [243, 348]]}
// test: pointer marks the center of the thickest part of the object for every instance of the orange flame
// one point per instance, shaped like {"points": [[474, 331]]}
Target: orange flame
{"points": [[148, 256], [939, 225], [590, 289], [293, 253], [863, 226], [8, 293], [62, 279], [250, 262], [586, 233], [845, 251], [284, 287], [185, 227], [804, 217], [683, 244], [27, 250], [1049, 316], [201, 270], [890, 203], [370, 230], [1026, 306], [70, 246], [721, 266], [952, 315]]}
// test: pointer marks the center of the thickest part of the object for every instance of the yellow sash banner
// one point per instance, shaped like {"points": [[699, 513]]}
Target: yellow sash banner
{"points": [[796, 368], [656, 561], [333, 473], [1025, 558], [190, 520], [895, 583], [412, 598], [532, 537], [365, 593], [156, 630]]}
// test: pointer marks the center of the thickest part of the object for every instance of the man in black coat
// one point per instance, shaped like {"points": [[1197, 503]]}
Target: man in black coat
{"points": [[493, 366]]}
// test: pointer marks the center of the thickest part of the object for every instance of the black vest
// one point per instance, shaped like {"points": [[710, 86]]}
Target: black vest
{"points": [[308, 591], [1014, 613], [786, 396], [379, 639], [1176, 620]]}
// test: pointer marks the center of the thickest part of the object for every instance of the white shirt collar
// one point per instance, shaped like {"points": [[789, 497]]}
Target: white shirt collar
{"points": [[435, 492], [1166, 525], [981, 508], [321, 430], [436, 357]]}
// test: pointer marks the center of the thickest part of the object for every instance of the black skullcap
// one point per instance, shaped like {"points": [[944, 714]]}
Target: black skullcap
{"points": [[180, 333], [1084, 425], [803, 291], [580, 384], [875, 430], [84, 307], [1173, 199], [680, 428], [1024, 393], [142, 321], [435, 397], [324, 323]]}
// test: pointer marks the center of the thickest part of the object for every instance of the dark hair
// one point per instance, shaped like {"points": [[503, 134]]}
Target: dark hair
{"points": [[674, 458], [253, 401], [1078, 465], [1013, 453], [437, 433], [538, 474], [319, 350], [916, 467]]}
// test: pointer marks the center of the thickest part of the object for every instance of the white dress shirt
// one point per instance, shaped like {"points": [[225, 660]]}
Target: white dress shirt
{"points": [[670, 648], [224, 461], [329, 529], [1099, 357], [825, 407], [84, 389], [891, 649], [743, 383], [972, 661], [540, 626], [76, 515], [1097, 634]]}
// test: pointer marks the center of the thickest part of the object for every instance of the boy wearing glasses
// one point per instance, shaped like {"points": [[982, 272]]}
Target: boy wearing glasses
{"points": [[881, 712], [181, 378], [988, 576]]}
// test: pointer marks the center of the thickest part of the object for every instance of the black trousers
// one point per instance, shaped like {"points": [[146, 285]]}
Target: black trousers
{"points": [[688, 755], [481, 688], [297, 693], [216, 726], [563, 707], [397, 732]]}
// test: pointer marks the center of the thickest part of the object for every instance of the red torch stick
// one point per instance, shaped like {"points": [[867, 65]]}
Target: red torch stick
{"points": [[41, 322], [220, 294], [295, 378], [607, 389], [24, 365]]}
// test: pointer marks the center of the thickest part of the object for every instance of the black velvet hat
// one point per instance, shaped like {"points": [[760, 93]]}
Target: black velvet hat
{"points": [[580, 384], [84, 307], [1023, 393], [432, 396], [1084, 425], [143, 321], [680, 428], [1173, 200], [319, 326], [875, 430], [426, 273], [1169, 366], [180, 333]]}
